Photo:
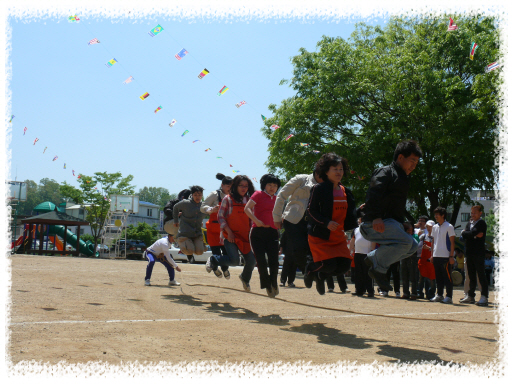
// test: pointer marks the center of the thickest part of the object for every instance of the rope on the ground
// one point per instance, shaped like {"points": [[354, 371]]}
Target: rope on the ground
{"points": [[347, 310]]}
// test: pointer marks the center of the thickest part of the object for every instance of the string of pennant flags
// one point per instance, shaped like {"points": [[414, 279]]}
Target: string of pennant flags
{"points": [[205, 72]]}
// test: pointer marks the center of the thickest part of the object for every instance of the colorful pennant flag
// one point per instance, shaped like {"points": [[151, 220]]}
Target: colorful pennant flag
{"points": [[155, 31], [238, 105], [263, 118], [195, 141], [73, 19], [128, 80], [208, 149], [274, 127], [203, 73], [172, 123], [451, 26], [316, 151], [45, 149], [218, 157], [64, 165], [79, 176], [223, 90], [492, 66], [289, 137], [474, 46], [352, 171], [93, 41], [24, 130], [55, 158], [144, 96], [111, 63], [181, 54], [236, 171], [73, 172], [36, 140], [184, 133], [12, 117], [230, 166], [255, 179], [158, 109], [304, 144]]}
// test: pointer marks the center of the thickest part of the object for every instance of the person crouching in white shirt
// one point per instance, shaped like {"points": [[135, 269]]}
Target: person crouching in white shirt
{"points": [[159, 251]]}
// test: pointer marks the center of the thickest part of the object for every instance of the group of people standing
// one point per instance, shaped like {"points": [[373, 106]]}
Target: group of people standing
{"points": [[315, 210]]}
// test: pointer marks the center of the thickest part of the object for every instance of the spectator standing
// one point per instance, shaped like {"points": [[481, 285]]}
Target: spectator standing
{"points": [[443, 235]]}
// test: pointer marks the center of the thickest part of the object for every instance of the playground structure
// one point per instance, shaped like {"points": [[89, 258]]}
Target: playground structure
{"points": [[121, 206], [27, 242]]}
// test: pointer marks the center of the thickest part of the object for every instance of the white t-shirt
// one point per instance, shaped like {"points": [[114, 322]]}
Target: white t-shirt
{"points": [[441, 235], [162, 246], [361, 244]]}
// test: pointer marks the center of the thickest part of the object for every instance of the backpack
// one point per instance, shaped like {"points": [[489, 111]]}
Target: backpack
{"points": [[168, 209]]}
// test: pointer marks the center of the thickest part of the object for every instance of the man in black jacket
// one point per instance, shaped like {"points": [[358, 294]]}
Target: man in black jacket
{"points": [[385, 210], [474, 234]]}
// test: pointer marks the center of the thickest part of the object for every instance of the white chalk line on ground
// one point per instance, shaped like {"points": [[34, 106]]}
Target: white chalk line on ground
{"points": [[228, 319]]}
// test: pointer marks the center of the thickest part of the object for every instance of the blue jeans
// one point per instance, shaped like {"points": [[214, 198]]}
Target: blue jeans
{"points": [[394, 244], [232, 258]]}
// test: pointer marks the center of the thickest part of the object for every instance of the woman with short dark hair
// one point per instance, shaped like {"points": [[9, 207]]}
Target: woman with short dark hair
{"points": [[331, 211], [211, 206], [235, 227]]}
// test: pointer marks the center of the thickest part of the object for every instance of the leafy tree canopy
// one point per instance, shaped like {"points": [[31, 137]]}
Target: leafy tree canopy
{"points": [[411, 79], [143, 231], [156, 195]]}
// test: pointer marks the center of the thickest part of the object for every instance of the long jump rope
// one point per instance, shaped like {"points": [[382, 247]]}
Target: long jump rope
{"points": [[336, 309]]}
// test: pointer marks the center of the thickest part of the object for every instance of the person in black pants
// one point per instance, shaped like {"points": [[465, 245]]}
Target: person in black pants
{"points": [[341, 282], [474, 235], [289, 268], [361, 247], [394, 269]]}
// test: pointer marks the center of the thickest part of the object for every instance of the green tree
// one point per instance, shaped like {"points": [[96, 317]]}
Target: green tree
{"points": [[492, 222], [33, 199], [156, 195], [93, 195], [411, 79], [143, 231]]}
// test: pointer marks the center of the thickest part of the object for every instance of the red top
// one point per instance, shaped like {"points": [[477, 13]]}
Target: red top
{"points": [[264, 207]]}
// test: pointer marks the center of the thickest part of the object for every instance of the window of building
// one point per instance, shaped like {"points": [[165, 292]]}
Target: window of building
{"points": [[464, 217], [81, 211], [150, 212]]}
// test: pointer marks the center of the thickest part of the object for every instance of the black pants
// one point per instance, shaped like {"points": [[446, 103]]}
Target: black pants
{"points": [[266, 241], [444, 276], [331, 267], [220, 250], [476, 266], [289, 269], [409, 265], [341, 282], [394, 269], [362, 280], [297, 242]]}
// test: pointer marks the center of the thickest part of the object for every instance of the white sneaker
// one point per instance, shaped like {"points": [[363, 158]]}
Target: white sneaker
{"points": [[330, 290], [218, 273], [173, 282], [147, 282], [447, 300], [227, 275], [437, 299], [482, 302], [246, 286], [383, 293], [467, 300], [397, 294], [209, 265]]}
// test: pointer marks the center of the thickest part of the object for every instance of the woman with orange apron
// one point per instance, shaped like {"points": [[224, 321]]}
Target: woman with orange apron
{"points": [[211, 206], [235, 226], [331, 211], [426, 268]]}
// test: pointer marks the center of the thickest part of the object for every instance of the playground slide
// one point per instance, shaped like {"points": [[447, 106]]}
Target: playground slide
{"points": [[87, 248], [58, 244]]}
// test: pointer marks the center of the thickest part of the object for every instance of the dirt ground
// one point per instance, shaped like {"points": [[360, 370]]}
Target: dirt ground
{"points": [[82, 310]]}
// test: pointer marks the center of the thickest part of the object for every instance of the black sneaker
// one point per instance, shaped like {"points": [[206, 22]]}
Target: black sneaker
{"points": [[380, 278], [308, 277], [320, 286]]}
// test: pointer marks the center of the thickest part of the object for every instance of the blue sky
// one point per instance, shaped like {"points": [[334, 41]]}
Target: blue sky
{"points": [[67, 97]]}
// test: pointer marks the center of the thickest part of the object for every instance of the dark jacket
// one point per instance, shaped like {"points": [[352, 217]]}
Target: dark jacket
{"points": [[475, 245], [387, 195], [168, 209], [320, 206]]}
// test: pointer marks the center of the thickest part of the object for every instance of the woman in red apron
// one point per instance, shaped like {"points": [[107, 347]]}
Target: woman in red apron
{"points": [[425, 266], [235, 226], [211, 206], [331, 211]]}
